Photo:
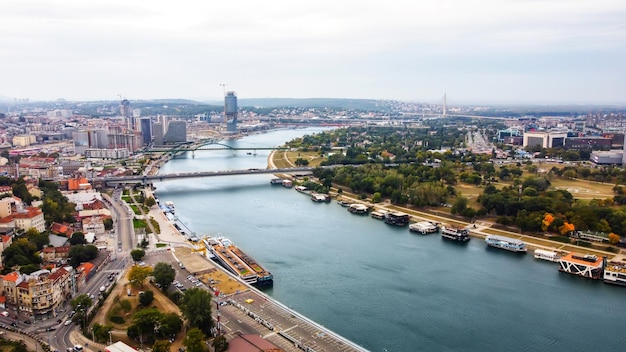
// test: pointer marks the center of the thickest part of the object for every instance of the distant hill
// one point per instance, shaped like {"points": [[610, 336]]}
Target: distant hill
{"points": [[357, 104]]}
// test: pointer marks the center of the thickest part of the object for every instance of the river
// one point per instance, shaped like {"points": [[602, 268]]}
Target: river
{"points": [[384, 287]]}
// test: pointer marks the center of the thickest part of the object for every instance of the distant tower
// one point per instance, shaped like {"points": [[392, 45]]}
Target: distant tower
{"points": [[444, 110], [126, 112], [230, 112], [146, 130]]}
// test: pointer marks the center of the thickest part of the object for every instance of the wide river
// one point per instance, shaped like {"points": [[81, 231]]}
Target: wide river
{"points": [[384, 287]]}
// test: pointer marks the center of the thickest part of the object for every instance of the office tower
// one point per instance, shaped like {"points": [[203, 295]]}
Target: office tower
{"points": [[157, 133], [81, 141], [127, 113], [146, 130], [176, 132], [230, 112]]}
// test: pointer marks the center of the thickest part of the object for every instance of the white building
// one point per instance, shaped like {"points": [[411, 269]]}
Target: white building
{"points": [[550, 139]]}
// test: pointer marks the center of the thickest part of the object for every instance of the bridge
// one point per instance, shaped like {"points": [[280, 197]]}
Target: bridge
{"points": [[146, 179], [203, 144]]}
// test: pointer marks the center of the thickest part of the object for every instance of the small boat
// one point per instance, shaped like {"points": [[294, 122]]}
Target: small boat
{"points": [[343, 203], [423, 227], [357, 208], [547, 255]]}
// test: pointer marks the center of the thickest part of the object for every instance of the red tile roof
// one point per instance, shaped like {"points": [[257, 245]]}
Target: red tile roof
{"points": [[13, 276]]}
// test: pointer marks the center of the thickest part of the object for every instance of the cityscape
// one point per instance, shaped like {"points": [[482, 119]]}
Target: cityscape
{"points": [[312, 177]]}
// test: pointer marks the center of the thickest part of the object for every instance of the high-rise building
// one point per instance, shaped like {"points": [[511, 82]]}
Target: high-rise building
{"points": [[157, 133], [127, 113], [176, 132], [146, 130], [81, 141], [230, 112]]}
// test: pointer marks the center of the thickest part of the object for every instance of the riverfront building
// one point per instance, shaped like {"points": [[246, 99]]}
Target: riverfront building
{"points": [[176, 132]]}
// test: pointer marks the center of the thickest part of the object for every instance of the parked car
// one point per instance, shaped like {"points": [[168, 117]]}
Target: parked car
{"points": [[5, 313]]}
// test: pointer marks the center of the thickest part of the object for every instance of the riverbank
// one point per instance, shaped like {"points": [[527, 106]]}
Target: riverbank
{"points": [[478, 229]]}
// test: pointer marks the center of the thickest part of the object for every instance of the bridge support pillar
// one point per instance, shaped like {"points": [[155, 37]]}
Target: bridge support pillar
{"points": [[193, 154]]}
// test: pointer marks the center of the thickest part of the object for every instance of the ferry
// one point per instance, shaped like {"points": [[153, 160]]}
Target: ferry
{"points": [[455, 234], [236, 261], [379, 214], [397, 218], [423, 227], [615, 273], [550, 256], [585, 265], [357, 208], [510, 244]]}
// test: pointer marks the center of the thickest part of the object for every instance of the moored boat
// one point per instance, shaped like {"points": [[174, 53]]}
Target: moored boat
{"points": [[506, 243], [236, 261], [423, 227], [550, 256], [276, 181], [397, 218], [379, 214], [455, 234], [357, 208], [585, 265], [615, 273], [320, 197]]}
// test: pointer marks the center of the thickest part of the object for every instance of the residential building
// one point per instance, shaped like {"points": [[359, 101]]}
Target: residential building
{"points": [[24, 140], [31, 217], [93, 224], [55, 254]]}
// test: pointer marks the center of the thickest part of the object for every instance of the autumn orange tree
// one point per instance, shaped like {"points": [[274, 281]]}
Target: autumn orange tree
{"points": [[614, 238]]}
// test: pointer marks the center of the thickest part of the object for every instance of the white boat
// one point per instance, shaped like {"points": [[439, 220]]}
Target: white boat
{"points": [[550, 256], [357, 208], [423, 227], [455, 234], [509, 244], [615, 273], [379, 214]]}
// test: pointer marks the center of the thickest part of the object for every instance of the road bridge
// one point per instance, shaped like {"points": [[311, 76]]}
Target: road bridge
{"points": [[146, 179]]}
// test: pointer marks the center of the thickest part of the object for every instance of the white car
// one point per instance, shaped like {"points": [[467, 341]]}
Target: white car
{"points": [[67, 322], [5, 313]]}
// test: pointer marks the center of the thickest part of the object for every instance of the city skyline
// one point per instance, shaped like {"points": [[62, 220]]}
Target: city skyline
{"points": [[505, 52]]}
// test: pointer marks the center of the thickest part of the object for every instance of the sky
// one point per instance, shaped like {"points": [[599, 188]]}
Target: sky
{"points": [[474, 51]]}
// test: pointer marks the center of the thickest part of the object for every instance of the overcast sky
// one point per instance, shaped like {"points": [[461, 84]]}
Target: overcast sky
{"points": [[478, 51]]}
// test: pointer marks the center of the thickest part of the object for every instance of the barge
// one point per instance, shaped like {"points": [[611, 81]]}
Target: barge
{"points": [[276, 181], [455, 234], [424, 227], [550, 256], [585, 265], [236, 261], [397, 218], [506, 243]]}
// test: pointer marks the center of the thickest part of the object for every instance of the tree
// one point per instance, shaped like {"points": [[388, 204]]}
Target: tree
{"points": [[459, 205], [196, 308], [614, 238], [40, 239], [220, 344], [138, 274], [301, 162], [150, 202], [146, 298], [194, 341], [82, 253], [108, 223], [77, 238], [137, 254], [101, 332], [161, 346], [171, 324], [81, 304], [164, 274]]}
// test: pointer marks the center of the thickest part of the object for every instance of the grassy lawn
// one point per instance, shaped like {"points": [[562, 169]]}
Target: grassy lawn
{"points": [[139, 223], [135, 209], [584, 189]]}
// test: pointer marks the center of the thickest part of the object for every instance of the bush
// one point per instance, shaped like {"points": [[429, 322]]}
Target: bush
{"points": [[583, 243], [562, 239], [159, 245], [612, 249], [116, 319], [125, 304]]}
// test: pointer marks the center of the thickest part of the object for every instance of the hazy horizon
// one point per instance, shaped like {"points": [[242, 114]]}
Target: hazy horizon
{"points": [[541, 52]]}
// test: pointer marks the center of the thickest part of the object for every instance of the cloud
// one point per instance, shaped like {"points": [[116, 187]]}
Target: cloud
{"points": [[370, 49]]}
